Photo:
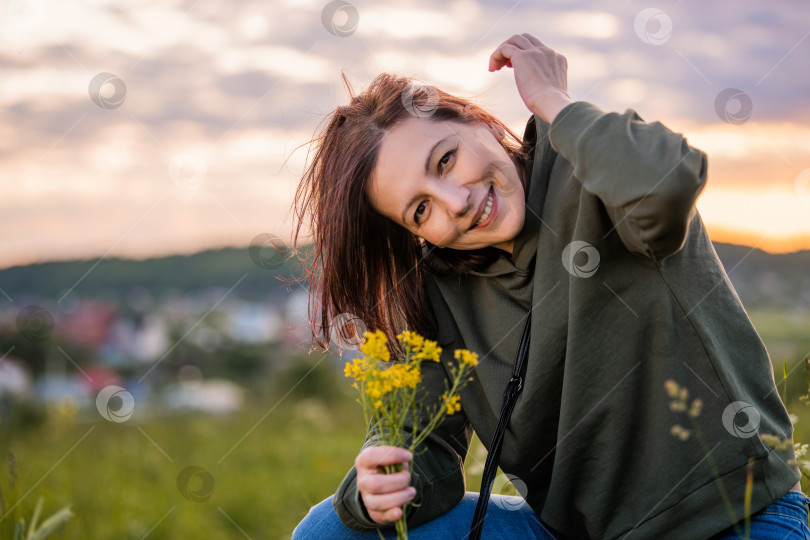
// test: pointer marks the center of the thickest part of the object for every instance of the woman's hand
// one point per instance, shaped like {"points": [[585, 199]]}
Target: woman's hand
{"points": [[383, 494], [540, 73]]}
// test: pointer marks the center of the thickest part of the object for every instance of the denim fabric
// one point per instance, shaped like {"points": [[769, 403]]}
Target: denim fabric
{"points": [[507, 518], [510, 518], [785, 519]]}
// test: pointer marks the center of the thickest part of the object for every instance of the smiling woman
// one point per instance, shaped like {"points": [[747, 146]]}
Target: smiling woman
{"points": [[469, 195], [428, 214], [404, 168]]}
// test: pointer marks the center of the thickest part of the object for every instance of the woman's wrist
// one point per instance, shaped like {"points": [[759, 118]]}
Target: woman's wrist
{"points": [[551, 105]]}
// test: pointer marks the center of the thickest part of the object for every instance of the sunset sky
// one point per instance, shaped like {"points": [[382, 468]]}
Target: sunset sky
{"points": [[144, 128]]}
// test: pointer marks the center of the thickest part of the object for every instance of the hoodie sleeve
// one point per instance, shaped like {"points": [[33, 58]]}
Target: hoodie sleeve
{"points": [[437, 470], [646, 175]]}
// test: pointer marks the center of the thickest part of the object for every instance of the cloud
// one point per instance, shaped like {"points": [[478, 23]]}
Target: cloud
{"points": [[243, 87]]}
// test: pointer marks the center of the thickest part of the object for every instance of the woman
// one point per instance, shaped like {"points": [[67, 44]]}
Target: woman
{"points": [[646, 387]]}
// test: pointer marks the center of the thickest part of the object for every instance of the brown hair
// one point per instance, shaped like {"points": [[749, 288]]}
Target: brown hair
{"points": [[365, 264]]}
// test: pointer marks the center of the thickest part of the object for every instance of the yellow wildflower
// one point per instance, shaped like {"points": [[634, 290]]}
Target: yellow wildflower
{"points": [[378, 387], [402, 376], [677, 406], [410, 376], [680, 432], [412, 339], [430, 351], [451, 405], [419, 347], [697, 406], [358, 369], [375, 346], [468, 358], [672, 388]]}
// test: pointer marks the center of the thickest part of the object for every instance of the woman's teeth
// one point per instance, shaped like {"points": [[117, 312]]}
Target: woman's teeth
{"points": [[487, 210]]}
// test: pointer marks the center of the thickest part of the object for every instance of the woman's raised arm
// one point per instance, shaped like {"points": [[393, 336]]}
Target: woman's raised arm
{"points": [[647, 176]]}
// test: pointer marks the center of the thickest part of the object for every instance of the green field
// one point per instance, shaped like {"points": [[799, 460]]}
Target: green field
{"points": [[269, 464]]}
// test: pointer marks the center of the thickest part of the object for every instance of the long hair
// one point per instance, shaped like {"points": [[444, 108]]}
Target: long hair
{"points": [[365, 265]]}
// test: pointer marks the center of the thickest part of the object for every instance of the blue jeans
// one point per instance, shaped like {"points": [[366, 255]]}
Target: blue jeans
{"points": [[511, 518], [785, 519], [507, 518]]}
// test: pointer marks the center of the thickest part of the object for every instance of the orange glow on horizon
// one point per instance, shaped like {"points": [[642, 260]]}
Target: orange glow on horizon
{"points": [[773, 244]]}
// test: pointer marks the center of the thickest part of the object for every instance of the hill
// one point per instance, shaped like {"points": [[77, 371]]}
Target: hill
{"points": [[263, 275], [762, 280]]}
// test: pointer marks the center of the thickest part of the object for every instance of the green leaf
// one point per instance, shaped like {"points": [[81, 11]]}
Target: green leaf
{"points": [[18, 532], [52, 523], [807, 370], [35, 518]]}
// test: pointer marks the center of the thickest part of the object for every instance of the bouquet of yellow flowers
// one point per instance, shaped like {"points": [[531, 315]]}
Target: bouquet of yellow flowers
{"points": [[388, 393]]}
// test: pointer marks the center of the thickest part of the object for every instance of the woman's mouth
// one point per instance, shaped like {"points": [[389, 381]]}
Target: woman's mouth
{"points": [[490, 210]]}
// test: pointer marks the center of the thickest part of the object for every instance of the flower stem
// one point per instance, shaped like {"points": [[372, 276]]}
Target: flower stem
{"points": [[716, 474], [401, 525]]}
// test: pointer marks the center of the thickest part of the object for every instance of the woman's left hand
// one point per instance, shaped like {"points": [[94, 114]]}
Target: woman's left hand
{"points": [[541, 74]]}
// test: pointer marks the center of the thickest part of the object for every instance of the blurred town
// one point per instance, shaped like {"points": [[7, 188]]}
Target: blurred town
{"points": [[202, 348], [200, 332]]}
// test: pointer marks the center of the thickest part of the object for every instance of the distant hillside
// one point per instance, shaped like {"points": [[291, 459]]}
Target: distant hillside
{"points": [[761, 279], [767, 280], [114, 277]]}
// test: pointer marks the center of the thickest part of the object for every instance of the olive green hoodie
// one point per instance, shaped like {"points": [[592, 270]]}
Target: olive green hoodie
{"points": [[626, 293]]}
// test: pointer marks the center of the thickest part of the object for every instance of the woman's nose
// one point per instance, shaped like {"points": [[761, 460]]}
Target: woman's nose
{"points": [[456, 199]]}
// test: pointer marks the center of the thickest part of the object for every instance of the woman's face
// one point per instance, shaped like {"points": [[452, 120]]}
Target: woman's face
{"points": [[437, 178]]}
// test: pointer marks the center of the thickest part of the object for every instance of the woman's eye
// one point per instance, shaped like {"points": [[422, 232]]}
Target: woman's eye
{"points": [[445, 160], [419, 213]]}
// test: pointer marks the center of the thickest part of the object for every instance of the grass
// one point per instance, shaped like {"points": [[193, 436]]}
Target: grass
{"points": [[121, 484], [269, 463]]}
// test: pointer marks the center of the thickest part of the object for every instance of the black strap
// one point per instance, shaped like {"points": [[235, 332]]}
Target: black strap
{"points": [[510, 396]]}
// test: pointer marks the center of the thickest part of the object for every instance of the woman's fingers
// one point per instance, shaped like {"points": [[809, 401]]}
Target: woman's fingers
{"points": [[384, 494], [541, 74], [519, 42], [383, 503], [536, 42], [374, 457], [380, 483], [501, 57], [505, 50], [390, 515]]}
